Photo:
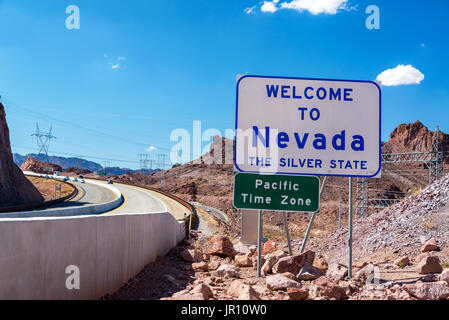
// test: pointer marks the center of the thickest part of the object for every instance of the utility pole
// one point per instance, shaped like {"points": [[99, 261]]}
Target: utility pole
{"points": [[43, 141]]}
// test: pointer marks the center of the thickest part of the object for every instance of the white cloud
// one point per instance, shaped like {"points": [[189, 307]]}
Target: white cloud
{"points": [[116, 63], [269, 6], [423, 45], [401, 75], [250, 10], [151, 148], [318, 6], [313, 6]]}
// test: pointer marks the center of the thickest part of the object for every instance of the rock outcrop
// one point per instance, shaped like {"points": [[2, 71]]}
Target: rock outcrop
{"points": [[37, 166], [15, 188], [414, 137]]}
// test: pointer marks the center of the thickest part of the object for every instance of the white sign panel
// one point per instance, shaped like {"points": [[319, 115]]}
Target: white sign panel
{"points": [[308, 126]]}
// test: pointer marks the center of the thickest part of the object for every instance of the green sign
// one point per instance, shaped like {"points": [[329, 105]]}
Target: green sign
{"points": [[276, 192]]}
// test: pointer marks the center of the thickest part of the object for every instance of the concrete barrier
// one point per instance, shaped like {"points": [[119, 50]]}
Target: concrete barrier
{"points": [[72, 211], [108, 250]]}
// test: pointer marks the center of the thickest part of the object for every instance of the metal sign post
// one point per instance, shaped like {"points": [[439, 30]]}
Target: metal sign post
{"points": [[339, 212], [350, 231], [309, 227], [259, 243], [287, 233]]}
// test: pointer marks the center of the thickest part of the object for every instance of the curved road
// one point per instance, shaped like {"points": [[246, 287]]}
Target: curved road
{"points": [[136, 200], [88, 194]]}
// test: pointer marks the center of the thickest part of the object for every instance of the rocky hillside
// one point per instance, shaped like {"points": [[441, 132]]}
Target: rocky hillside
{"points": [[401, 253], [63, 162], [15, 189], [414, 137], [34, 165]]}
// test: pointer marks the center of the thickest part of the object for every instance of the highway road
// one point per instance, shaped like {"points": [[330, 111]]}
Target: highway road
{"points": [[88, 194], [140, 200], [135, 199]]}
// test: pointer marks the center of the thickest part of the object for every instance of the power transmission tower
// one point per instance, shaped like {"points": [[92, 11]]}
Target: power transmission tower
{"points": [[435, 163], [43, 141], [145, 162], [161, 160]]}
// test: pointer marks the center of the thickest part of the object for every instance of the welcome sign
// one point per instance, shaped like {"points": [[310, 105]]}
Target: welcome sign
{"points": [[308, 126]]}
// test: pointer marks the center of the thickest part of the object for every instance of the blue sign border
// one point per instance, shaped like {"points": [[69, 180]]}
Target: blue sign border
{"points": [[309, 174]]}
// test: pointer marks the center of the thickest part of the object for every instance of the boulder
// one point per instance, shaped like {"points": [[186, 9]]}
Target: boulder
{"points": [[254, 260], [226, 271], [270, 261], [337, 271], [241, 248], [280, 282], [422, 256], [203, 290], [191, 255], [268, 247], [243, 260], [200, 266], [309, 273], [325, 288], [428, 290], [430, 264], [368, 271], [200, 292], [444, 276], [294, 264], [321, 263], [289, 275], [430, 245], [402, 261], [213, 265], [241, 291], [217, 245], [297, 293]]}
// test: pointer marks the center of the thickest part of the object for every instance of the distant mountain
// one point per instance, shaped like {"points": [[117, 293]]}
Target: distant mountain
{"points": [[73, 163], [65, 163], [121, 171]]}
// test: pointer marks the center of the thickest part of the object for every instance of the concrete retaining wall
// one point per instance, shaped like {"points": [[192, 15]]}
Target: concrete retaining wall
{"points": [[109, 250]]}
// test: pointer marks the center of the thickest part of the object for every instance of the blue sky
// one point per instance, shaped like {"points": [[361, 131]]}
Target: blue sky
{"points": [[136, 70]]}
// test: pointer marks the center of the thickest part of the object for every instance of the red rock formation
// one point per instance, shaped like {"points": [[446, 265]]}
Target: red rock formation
{"points": [[37, 166], [15, 188], [414, 137]]}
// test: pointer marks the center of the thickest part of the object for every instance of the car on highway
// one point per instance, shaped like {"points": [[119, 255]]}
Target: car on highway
{"points": [[75, 179], [82, 181], [110, 182], [65, 179]]}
